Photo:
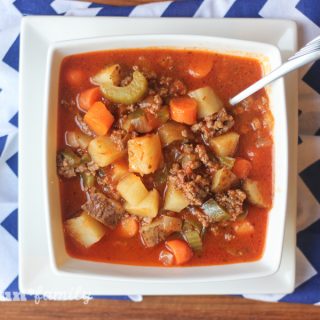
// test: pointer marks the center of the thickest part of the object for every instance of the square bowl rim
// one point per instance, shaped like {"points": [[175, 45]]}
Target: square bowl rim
{"points": [[72, 44]]}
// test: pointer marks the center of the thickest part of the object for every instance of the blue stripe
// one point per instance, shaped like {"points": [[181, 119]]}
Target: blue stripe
{"points": [[13, 163], [3, 141], [311, 78], [14, 120], [112, 10], [11, 223], [311, 9], [185, 8], [12, 56], [246, 8], [35, 7], [308, 292]]}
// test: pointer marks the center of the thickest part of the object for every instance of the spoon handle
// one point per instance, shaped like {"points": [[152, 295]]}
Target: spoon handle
{"points": [[285, 68]]}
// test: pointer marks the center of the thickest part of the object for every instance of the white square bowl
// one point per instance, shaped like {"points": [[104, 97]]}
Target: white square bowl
{"points": [[270, 58]]}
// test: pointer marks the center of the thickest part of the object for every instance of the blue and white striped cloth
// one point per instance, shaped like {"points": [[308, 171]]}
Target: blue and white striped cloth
{"points": [[305, 12]]}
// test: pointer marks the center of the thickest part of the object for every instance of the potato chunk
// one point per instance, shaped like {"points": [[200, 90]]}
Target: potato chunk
{"points": [[132, 189], [85, 229], [174, 199], [148, 207], [119, 170], [223, 180], [255, 196], [225, 145], [145, 154], [208, 101], [104, 151]]}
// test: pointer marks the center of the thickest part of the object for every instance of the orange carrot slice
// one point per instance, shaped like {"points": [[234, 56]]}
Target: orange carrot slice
{"points": [[88, 97], [99, 119], [242, 168], [182, 252], [184, 110]]}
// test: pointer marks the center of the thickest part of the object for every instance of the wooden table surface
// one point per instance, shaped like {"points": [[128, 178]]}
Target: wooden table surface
{"points": [[154, 308]]}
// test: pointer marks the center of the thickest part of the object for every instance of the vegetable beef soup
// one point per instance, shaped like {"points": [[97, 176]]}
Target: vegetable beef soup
{"points": [[155, 167]]}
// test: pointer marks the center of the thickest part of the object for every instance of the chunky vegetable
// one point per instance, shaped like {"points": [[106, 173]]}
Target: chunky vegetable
{"points": [[88, 97], [75, 77], [87, 180], [242, 168], [77, 139], [104, 151], [157, 231], [194, 240], [171, 224], [174, 199], [184, 110], [163, 115], [223, 180], [172, 131], [85, 229], [225, 145], [132, 189], [148, 207], [129, 94], [72, 159], [99, 118], [166, 257], [138, 121], [145, 154], [214, 211], [227, 161], [128, 227], [181, 251], [254, 193], [110, 75], [208, 102], [199, 68], [119, 170], [243, 227]]}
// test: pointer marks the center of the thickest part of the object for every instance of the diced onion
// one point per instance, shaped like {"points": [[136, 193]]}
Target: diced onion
{"points": [[166, 257]]}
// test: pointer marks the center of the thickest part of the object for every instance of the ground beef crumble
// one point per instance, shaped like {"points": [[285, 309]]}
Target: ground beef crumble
{"points": [[151, 103], [196, 187], [204, 158], [215, 124], [120, 137], [232, 202], [64, 167]]}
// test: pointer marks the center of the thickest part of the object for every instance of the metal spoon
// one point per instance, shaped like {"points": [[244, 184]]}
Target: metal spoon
{"points": [[310, 52]]}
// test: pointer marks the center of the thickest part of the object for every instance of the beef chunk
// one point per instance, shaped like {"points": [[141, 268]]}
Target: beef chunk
{"points": [[213, 125], [106, 210], [83, 126], [196, 187], [232, 202]]}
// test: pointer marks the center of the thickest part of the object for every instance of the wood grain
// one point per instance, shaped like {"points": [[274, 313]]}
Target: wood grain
{"points": [[156, 308], [124, 2]]}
